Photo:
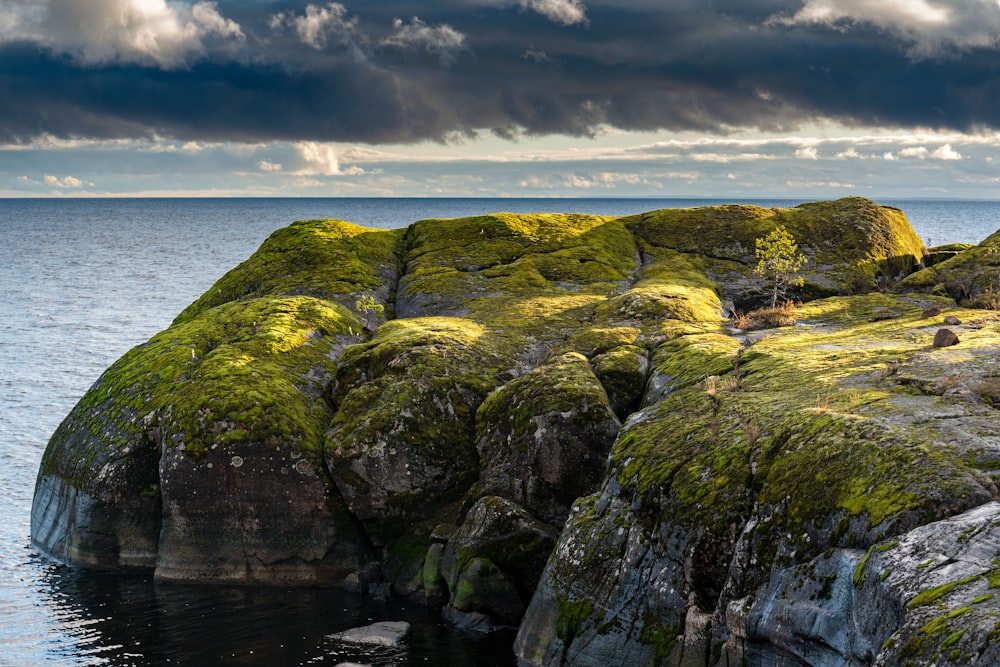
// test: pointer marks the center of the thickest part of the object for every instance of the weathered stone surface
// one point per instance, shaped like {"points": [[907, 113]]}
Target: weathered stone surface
{"points": [[968, 274], [382, 633], [545, 437], [818, 494]]}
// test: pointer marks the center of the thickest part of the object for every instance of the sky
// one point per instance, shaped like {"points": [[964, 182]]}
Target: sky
{"points": [[735, 99]]}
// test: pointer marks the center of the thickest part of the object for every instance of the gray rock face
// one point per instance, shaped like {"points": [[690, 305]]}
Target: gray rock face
{"points": [[319, 541], [906, 600], [785, 570], [612, 593]]}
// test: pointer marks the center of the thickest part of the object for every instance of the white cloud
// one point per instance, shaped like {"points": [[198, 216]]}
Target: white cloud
{"points": [[145, 32], [320, 25], [725, 158], [897, 164], [319, 158], [207, 15], [883, 13], [807, 153], [440, 39], [928, 28], [565, 12], [799, 185], [918, 152], [65, 182], [946, 152]]}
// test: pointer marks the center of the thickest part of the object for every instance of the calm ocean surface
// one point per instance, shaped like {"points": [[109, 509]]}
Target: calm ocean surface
{"points": [[81, 282]]}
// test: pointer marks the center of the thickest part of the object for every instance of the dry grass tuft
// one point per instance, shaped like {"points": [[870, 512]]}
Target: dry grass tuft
{"points": [[766, 318]]}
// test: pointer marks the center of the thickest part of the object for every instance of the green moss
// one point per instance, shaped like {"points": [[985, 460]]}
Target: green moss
{"points": [[690, 359], [970, 276], [797, 423], [564, 386], [994, 575], [859, 571], [321, 258], [622, 372], [598, 340], [672, 286], [505, 253], [572, 615], [857, 241], [930, 595], [411, 394], [245, 372], [922, 280], [662, 637], [732, 228]]}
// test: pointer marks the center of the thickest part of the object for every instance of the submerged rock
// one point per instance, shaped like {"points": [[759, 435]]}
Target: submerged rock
{"points": [[382, 633], [554, 428]]}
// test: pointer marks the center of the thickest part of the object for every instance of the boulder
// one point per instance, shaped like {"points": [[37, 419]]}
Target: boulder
{"points": [[945, 338], [199, 453]]}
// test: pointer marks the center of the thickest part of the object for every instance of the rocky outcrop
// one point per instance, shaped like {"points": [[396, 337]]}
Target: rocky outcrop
{"points": [[968, 274], [742, 511], [551, 424]]}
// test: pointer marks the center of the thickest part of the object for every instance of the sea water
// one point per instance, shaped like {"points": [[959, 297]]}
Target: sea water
{"points": [[84, 280]]}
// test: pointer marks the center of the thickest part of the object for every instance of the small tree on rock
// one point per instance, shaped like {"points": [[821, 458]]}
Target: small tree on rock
{"points": [[779, 260], [367, 304]]}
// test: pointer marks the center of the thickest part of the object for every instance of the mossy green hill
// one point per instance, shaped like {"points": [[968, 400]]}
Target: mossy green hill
{"points": [[280, 432]]}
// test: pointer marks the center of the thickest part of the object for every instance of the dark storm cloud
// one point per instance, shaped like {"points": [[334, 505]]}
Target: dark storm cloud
{"points": [[404, 71]]}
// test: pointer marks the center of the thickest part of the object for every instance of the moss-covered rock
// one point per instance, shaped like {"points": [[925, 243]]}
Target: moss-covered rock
{"points": [[401, 443], [970, 275], [492, 562], [544, 437], [327, 259], [756, 462], [852, 245], [186, 446], [525, 364], [623, 371]]}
